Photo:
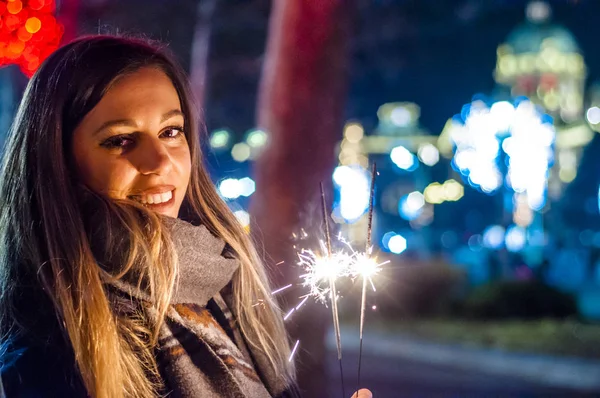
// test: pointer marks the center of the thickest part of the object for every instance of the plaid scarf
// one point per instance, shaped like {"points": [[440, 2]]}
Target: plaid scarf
{"points": [[201, 351]]}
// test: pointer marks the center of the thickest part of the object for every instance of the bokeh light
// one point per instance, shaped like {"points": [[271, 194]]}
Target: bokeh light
{"points": [[516, 238], [518, 131], [231, 188], [257, 138], [428, 154], [220, 139], [493, 237], [354, 186], [411, 205], [240, 152], [403, 158], [397, 244]]}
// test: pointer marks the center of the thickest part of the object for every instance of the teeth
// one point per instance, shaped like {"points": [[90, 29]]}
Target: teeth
{"points": [[154, 198]]}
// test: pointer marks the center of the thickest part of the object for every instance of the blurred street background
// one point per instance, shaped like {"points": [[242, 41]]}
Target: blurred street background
{"points": [[482, 118]]}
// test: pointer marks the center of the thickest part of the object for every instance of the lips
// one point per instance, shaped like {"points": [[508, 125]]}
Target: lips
{"points": [[155, 198], [158, 189], [159, 196]]}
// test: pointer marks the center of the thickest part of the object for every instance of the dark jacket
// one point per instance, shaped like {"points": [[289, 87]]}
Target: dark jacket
{"points": [[34, 369], [49, 371]]}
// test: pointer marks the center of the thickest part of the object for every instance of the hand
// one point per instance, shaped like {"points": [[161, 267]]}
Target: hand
{"points": [[363, 393]]}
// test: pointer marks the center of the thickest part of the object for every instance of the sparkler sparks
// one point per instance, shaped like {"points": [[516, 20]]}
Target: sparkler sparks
{"points": [[294, 350], [280, 289], [366, 267], [288, 314], [324, 267], [320, 270], [302, 303]]}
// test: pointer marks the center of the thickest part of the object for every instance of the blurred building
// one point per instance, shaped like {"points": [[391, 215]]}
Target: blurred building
{"points": [[516, 150], [542, 61], [538, 122], [407, 188]]}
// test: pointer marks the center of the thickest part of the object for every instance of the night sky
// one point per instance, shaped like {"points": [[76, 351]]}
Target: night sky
{"points": [[437, 53]]}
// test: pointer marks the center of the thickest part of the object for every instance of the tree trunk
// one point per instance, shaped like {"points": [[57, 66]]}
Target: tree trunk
{"points": [[200, 49], [68, 15], [301, 107]]}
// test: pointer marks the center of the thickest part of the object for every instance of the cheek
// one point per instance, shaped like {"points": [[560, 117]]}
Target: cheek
{"points": [[109, 176], [184, 162]]}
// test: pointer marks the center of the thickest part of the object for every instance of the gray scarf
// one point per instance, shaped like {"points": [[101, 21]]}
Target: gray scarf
{"points": [[201, 351]]}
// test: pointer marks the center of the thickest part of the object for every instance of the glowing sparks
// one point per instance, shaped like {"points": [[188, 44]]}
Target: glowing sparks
{"points": [[320, 271], [366, 267], [288, 314], [302, 303], [280, 289], [260, 302], [294, 350]]}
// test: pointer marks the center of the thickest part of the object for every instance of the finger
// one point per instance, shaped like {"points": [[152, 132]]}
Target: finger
{"points": [[363, 393]]}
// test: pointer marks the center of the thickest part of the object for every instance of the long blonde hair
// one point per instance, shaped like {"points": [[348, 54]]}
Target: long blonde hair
{"points": [[45, 240]]}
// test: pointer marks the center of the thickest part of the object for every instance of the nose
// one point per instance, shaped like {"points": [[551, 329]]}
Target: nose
{"points": [[153, 158]]}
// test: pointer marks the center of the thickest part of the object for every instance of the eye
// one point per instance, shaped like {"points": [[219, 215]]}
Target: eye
{"points": [[118, 141], [173, 132]]}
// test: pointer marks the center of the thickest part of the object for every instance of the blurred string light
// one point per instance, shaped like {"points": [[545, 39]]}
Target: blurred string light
{"points": [[475, 242], [351, 151], [593, 115], [520, 131], [240, 152], [257, 138], [397, 115], [232, 188], [29, 33], [428, 154], [354, 132], [449, 191], [523, 214], [354, 187], [403, 158], [243, 217], [394, 242], [493, 237], [567, 165], [410, 206], [515, 238], [220, 139], [401, 116]]}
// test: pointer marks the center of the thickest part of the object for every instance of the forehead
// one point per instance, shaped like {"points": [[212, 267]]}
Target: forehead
{"points": [[147, 90]]}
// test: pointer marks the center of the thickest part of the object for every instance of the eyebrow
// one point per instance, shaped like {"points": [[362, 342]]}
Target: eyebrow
{"points": [[131, 123]]}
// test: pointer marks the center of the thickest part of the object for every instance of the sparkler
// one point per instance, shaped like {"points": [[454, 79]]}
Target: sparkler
{"points": [[322, 271], [333, 291], [366, 267]]}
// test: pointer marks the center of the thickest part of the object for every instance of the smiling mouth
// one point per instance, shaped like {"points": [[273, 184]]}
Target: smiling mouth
{"points": [[155, 200]]}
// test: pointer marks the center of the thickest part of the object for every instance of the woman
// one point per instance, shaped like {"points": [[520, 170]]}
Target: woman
{"points": [[103, 156], [122, 272]]}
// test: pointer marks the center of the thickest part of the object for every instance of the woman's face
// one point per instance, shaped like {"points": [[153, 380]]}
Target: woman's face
{"points": [[132, 144]]}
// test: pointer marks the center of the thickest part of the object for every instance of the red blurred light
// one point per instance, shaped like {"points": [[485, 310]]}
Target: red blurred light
{"points": [[23, 34], [33, 24], [14, 7], [28, 33], [35, 4]]}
